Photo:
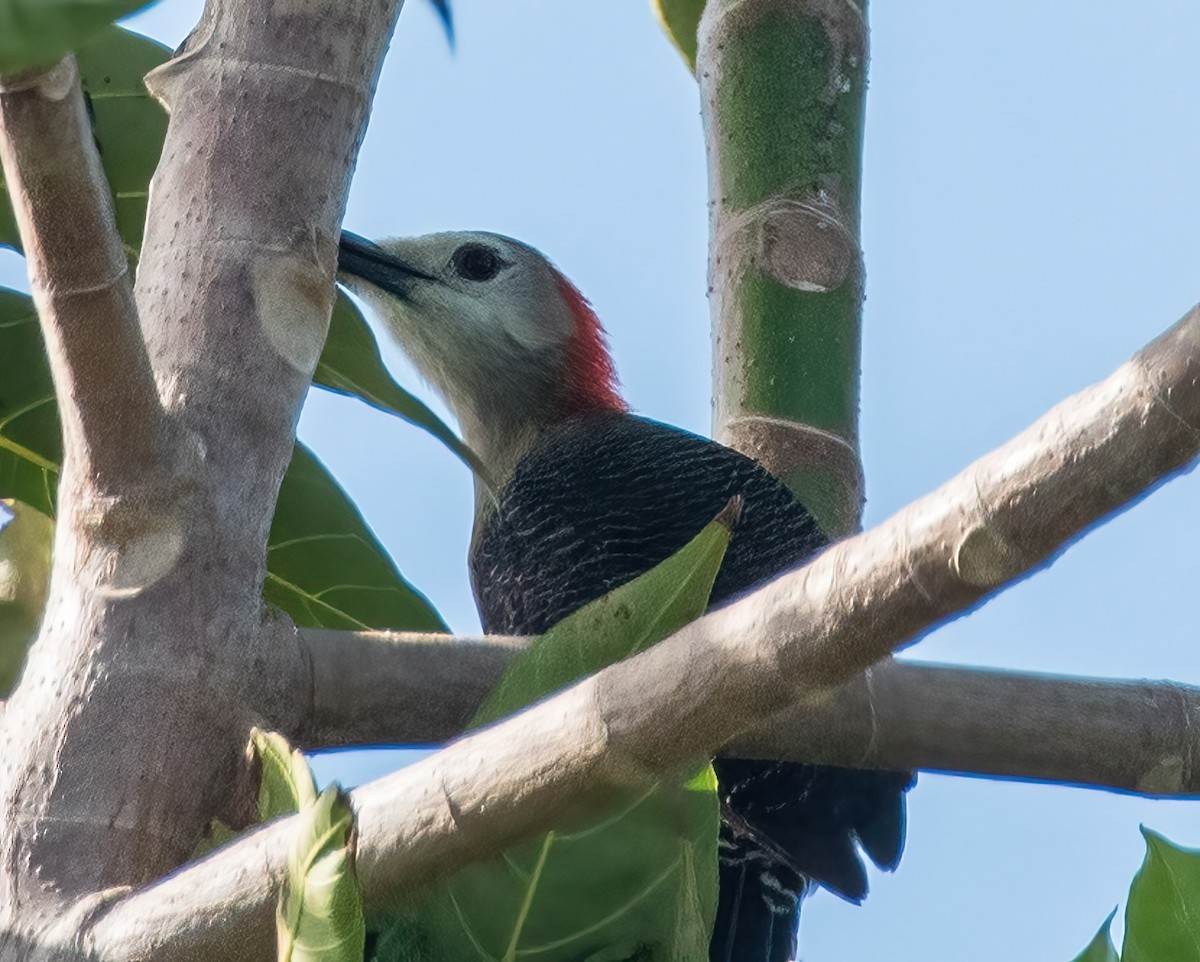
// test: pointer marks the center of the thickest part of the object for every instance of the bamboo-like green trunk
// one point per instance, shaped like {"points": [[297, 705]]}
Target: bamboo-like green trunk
{"points": [[783, 86]]}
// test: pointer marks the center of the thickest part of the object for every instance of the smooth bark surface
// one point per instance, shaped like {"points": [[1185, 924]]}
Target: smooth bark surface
{"points": [[1131, 736], [419, 689], [78, 274], [373, 687]]}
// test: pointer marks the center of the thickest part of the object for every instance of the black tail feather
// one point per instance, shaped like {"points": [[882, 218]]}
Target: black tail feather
{"points": [[880, 825], [759, 909], [787, 826]]}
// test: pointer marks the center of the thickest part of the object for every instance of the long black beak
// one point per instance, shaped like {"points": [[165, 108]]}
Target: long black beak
{"points": [[360, 257]]}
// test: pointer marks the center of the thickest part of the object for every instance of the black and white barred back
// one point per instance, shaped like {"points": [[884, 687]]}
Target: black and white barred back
{"points": [[606, 496]]}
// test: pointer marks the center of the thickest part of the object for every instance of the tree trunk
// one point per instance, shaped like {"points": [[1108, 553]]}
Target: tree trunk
{"points": [[156, 655]]}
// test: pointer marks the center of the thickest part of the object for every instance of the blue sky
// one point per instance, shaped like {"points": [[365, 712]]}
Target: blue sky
{"points": [[1029, 217]]}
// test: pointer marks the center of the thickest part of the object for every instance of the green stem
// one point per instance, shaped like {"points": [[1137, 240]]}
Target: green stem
{"points": [[782, 86]]}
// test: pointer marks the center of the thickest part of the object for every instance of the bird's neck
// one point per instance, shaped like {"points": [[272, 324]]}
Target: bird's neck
{"points": [[501, 444], [503, 418]]}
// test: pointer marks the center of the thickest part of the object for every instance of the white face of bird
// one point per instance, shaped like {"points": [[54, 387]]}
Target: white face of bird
{"points": [[487, 320], [474, 310]]}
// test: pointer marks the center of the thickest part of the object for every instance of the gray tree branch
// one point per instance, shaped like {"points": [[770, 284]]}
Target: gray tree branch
{"points": [[79, 274], [792, 641], [1132, 736], [373, 687], [1136, 736]]}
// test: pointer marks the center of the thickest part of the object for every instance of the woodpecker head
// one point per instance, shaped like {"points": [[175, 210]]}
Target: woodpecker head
{"points": [[503, 335]]}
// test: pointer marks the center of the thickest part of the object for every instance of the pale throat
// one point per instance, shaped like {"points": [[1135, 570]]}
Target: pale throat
{"points": [[500, 442]]}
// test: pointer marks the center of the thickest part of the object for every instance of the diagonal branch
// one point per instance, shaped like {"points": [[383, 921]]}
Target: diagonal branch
{"points": [[411, 688], [79, 274], [797, 638]]}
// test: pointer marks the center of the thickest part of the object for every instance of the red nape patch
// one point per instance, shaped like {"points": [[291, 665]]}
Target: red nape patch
{"points": [[590, 380]]}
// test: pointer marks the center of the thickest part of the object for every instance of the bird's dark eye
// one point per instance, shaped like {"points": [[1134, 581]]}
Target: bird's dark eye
{"points": [[474, 262]]}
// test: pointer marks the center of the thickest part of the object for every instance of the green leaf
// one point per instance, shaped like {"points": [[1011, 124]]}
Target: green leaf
{"points": [[628, 619], [218, 834], [40, 32], [1101, 948], [286, 784], [1162, 916], [350, 364], [127, 123], [25, 545], [641, 881], [326, 568], [30, 439], [681, 19], [320, 915]]}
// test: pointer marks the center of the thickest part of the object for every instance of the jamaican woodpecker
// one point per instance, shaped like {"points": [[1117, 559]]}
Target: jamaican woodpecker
{"points": [[585, 496]]}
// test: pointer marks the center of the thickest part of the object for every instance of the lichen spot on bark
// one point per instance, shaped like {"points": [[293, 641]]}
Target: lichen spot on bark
{"points": [[292, 300], [59, 81], [144, 557], [984, 559], [806, 246], [1164, 778]]}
